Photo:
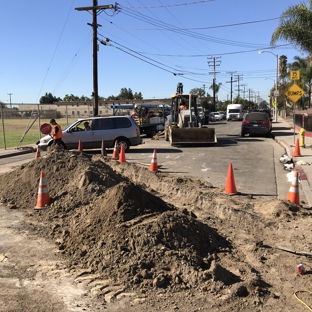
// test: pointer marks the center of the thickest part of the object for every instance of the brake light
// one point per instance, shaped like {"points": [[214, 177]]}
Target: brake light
{"points": [[245, 122], [266, 122]]}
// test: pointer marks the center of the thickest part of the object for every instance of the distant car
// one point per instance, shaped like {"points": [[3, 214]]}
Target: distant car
{"points": [[222, 114], [122, 129], [217, 115], [257, 123], [212, 117]]}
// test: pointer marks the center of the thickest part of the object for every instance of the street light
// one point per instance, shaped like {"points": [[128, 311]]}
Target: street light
{"points": [[276, 87]]}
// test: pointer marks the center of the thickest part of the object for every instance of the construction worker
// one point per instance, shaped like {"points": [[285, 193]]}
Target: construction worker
{"points": [[56, 133]]}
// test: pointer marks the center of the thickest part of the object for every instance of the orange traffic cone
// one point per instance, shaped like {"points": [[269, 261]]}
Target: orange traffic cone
{"points": [[122, 156], [293, 193], [153, 165], [43, 199], [103, 149], [80, 149], [230, 187], [297, 149], [38, 152], [116, 151]]}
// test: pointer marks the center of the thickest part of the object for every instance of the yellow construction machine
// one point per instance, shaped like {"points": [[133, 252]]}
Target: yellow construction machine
{"points": [[183, 125]]}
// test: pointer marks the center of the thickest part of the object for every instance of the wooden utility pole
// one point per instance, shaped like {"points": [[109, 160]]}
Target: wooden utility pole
{"points": [[95, 9], [214, 78]]}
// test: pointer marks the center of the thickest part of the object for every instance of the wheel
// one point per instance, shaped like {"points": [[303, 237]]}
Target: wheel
{"points": [[242, 133], [123, 141]]}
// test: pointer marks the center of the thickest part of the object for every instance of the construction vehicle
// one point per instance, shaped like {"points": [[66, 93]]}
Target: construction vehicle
{"points": [[183, 125], [149, 117]]}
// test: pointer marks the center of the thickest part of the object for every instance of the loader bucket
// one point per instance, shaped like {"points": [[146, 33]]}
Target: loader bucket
{"points": [[192, 136]]}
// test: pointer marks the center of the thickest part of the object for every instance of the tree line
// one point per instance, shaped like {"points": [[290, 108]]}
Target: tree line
{"points": [[125, 94]]}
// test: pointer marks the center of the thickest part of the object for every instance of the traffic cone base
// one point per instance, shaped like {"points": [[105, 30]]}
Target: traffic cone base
{"points": [[43, 199], [297, 149], [153, 165], [116, 151], [80, 149], [103, 149], [293, 193], [230, 187], [38, 155], [122, 156]]}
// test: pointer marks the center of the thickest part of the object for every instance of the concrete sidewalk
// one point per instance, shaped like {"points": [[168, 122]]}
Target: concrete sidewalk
{"points": [[286, 135]]}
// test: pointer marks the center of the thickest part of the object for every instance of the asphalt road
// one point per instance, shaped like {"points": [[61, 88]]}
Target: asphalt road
{"points": [[255, 161]]}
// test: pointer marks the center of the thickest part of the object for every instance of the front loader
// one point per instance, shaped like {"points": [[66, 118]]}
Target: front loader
{"points": [[183, 125]]}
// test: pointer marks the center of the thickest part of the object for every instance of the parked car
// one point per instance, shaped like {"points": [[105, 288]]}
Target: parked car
{"points": [[212, 117], [258, 123], [124, 129], [222, 114], [217, 115]]}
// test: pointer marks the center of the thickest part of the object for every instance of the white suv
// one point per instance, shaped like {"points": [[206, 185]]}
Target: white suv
{"points": [[217, 115], [124, 129]]}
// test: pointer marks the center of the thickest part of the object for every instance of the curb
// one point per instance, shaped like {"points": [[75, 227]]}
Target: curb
{"points": [[17, 152]]}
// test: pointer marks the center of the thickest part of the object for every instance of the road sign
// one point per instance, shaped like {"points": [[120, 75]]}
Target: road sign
{"points": [[45, 128], [294, 75], [294, 93]]}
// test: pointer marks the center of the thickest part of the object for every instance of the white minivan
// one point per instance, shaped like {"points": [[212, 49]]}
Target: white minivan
{"points": [[122, 129]]}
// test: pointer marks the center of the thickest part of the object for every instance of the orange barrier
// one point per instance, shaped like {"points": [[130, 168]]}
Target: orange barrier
{"points": [[230, 187], [297, 149], [116, 151], [103, 149], [122, 155], [153, 165], [43, 199], [80, 149], [38, 155], [293, 193]]}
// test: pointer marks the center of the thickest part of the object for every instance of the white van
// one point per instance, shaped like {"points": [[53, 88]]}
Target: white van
{"points": [[234, 112], [122, 129]]}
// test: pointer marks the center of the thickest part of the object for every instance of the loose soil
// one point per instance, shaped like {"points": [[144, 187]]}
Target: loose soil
{"points": [[117, 237]]}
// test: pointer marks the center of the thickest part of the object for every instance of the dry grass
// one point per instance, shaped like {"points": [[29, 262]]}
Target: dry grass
{"points": [[24, 131]]}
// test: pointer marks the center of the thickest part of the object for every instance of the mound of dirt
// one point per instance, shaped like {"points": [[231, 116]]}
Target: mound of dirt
{"points": [[139, 230]]}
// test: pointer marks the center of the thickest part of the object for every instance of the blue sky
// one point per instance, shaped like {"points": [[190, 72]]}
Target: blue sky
{"points": [[46, 46]]}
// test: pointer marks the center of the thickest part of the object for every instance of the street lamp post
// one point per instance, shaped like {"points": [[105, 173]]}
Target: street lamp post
{"points": [[276, 84]]}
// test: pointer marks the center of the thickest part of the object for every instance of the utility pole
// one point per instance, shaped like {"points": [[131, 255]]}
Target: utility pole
{"points": [[233, 72], [10, 99], [95, 11], [214, 64], [238, 86], [244, 91]]}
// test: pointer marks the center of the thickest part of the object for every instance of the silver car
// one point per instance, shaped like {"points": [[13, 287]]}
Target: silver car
{"points": [[122, 129]]}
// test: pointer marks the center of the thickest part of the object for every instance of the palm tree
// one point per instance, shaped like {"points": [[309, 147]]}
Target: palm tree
{"points": [[296, 27], [304, 66]]}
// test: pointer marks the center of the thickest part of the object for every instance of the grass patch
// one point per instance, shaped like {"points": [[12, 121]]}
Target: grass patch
{"points": [[14, 130]]}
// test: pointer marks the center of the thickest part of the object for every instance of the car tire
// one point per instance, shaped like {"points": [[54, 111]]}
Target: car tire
{"points": [[242, 133], [124, 141]]}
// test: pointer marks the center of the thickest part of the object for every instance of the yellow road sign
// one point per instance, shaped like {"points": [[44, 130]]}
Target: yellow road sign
{"points": [[294, 93], [294, 75]]}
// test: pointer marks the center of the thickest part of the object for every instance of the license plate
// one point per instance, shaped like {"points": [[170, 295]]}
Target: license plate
{"points": [[255, 125]]}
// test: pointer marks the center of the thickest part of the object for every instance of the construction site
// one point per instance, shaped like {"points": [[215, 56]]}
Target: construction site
{"points": [[108, 235]]}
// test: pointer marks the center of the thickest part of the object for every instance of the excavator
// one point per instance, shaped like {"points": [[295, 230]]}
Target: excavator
{"points": [[183, 125]]}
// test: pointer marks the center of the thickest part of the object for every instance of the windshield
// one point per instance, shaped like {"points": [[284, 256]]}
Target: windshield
{"points": [[234, 110]]}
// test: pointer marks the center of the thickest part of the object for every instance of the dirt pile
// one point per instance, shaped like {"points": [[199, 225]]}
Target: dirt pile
{"points": [[119, 224]]}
